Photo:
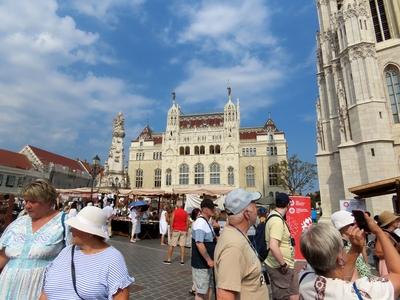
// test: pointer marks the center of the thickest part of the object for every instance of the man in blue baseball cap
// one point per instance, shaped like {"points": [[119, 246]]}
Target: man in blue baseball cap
{"points": [[237, 267]]}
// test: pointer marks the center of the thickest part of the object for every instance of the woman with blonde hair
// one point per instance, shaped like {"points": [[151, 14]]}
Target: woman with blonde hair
{"points": [[30, 243]]}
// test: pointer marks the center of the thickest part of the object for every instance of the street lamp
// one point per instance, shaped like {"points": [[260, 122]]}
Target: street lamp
{"points": [[93, 172]]}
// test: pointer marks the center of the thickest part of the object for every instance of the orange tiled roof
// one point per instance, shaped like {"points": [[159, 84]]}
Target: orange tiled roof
{"points": [[47, 157], [14, 160]]}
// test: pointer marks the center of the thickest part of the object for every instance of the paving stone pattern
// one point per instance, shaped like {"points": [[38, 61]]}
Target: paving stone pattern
{"points": [[154, 280]]}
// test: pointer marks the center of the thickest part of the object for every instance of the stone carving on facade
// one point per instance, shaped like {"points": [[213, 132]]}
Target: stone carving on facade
{"points": [[344, 125], [359, 9], [118, 126], [321, 78], [362, 51], [328, 70], [322, 2], [320, 133]]}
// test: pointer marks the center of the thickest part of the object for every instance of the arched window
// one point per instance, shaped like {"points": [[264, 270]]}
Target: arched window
{"points": [[139, 178], [271, 197], [250, 179], [183, 174], [379, 19], [202, 150], [218, 149], [273, 175], [198, 173], [231, 176], [214, 173], [187, 150], [211, 149], [393, 86], [181, 151], [168, 177], [157, 177], [196, 150]]}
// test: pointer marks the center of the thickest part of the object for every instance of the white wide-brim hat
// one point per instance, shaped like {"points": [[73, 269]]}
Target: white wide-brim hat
{"points": [[90, 219], [341, 219]]}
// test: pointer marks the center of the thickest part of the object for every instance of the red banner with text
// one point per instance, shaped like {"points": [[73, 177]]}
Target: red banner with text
{"points": [[298, 218]]}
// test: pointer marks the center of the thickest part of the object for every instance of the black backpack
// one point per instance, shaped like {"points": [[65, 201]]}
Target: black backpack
{"points": [[259, 239]]}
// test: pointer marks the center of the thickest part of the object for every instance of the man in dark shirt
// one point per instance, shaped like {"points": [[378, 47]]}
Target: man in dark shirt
{"points": [[203, 245]]}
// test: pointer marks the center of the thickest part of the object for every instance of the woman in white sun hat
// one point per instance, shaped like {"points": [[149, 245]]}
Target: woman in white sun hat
{"points": [[343, 220], [91, 268]]}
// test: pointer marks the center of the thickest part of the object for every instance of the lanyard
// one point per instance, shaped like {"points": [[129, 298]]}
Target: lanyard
{"points": [[251, 245], [262, 277]]}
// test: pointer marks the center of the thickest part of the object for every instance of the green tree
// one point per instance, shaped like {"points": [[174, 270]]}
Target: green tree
{"points": [[296, 175]]}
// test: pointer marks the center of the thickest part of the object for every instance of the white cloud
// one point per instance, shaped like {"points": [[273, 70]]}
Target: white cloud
{"points": [[233, 42], [248, 78], [228, 26], [105, 10], [41, 104]]}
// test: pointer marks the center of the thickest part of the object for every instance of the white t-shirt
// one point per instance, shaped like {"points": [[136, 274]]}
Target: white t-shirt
{"points": [[108, 210], [319, 287], [72, 213], [133, 215]]}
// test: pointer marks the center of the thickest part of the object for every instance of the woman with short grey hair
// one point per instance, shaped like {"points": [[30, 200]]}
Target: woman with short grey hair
{"points": [[322, 246]]}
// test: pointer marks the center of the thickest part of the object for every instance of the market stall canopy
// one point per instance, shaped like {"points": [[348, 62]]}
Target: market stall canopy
{"points": [[209, 190], [83, 192], [194, 201], [76, 191], [142, 192], [377, 188]]}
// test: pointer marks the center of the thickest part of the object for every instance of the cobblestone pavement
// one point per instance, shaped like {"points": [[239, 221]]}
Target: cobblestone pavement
{"points": [[154, 280]]}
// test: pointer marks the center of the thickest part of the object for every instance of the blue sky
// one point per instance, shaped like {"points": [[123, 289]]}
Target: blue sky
{"points": [[68, 67]]}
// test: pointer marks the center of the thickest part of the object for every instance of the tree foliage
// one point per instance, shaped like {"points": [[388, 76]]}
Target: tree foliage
{"points": [[296, 175]]}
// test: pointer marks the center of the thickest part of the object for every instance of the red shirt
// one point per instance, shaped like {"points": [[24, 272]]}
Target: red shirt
{"points": [[180, 220]]}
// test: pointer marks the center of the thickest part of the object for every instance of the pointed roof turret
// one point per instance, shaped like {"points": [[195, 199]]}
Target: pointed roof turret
{"points": [[146, 133], [269, 126]]}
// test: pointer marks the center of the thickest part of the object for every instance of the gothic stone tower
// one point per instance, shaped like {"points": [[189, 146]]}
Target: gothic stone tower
{"points": [[358, 129]]}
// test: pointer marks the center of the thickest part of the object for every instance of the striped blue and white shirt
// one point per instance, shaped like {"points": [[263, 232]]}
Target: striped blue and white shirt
{"points": [[98, 276], [202, 232]]}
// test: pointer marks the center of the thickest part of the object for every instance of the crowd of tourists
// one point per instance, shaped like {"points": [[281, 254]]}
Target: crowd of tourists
{"points": [[230, 263], [240, 252]]}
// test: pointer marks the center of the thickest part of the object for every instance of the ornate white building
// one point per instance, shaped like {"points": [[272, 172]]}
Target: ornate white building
{"points": [[358, 125], [208, 149]]}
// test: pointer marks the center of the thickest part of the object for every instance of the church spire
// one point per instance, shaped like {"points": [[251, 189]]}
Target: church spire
{"points": [[173, 97], [229, 93]]}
